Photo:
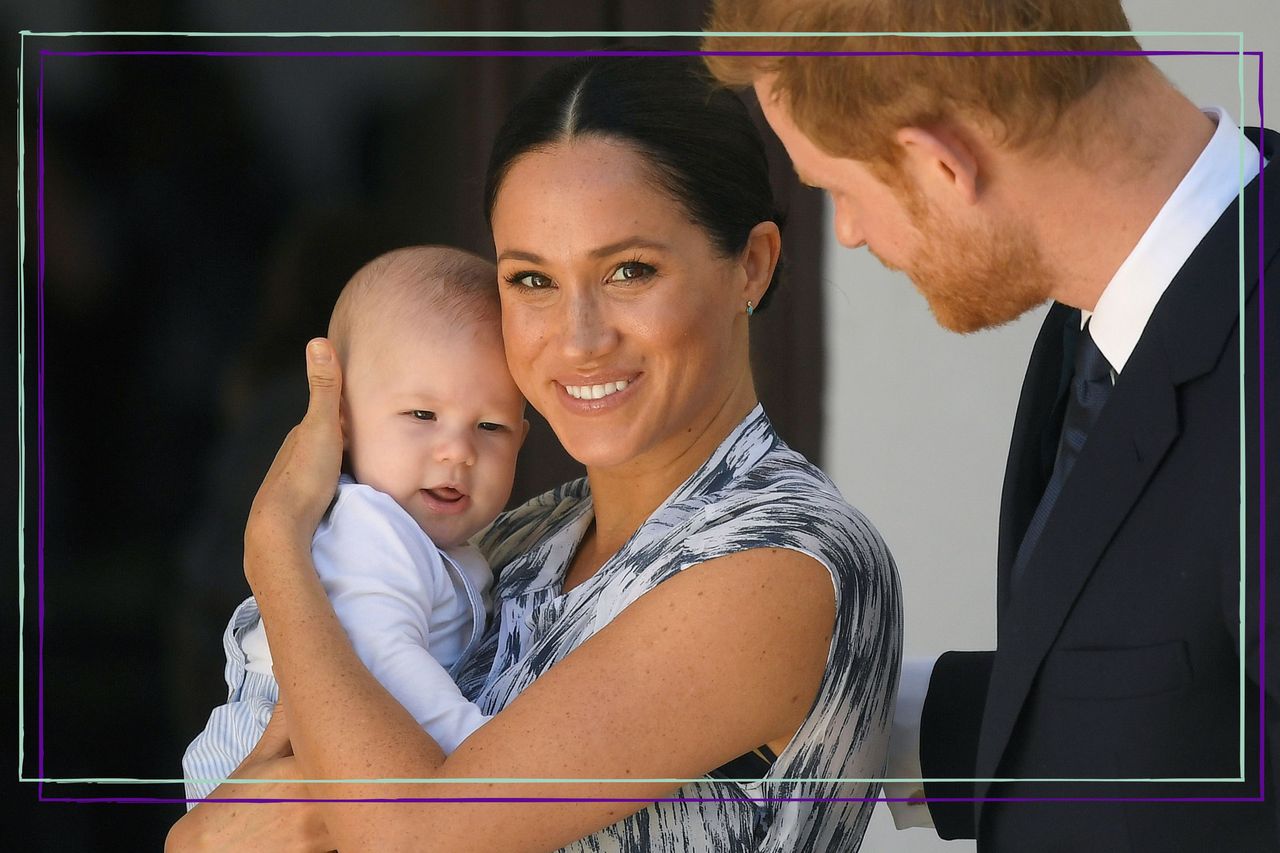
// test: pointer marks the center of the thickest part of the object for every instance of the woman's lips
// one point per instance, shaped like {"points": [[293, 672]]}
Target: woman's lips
{"points": [[445, 500]]}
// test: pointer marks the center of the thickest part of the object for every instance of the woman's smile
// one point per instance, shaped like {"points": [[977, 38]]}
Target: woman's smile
{"points": [[588, 398], [596, 391]]}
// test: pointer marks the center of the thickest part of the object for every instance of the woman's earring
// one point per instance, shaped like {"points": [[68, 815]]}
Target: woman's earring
{"points": [[751, 309]]}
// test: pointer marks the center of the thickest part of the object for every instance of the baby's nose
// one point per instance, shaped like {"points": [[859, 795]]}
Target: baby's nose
{"points": [[456, 449]]}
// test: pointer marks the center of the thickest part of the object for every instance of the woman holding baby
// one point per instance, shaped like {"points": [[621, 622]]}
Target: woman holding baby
{"points": [[703, 606]]}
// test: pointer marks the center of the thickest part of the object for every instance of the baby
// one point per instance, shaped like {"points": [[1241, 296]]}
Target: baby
{"points": [[433, 422]]}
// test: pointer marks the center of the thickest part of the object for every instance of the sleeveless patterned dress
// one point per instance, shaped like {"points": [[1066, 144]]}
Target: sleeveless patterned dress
{"points": [[753, 492]]}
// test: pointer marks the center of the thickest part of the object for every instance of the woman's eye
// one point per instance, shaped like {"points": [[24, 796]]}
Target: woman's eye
{"points": [[531, 280], [423, 415], [632, 271]]}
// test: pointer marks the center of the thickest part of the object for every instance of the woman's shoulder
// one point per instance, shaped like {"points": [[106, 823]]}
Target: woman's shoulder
{"points": [[786, 501], [515, 530], [787, 474]]}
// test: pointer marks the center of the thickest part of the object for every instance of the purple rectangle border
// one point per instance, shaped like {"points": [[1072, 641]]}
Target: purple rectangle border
{"points": [[40, 451]]}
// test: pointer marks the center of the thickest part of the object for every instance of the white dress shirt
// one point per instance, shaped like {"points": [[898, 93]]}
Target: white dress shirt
{"points": [[410, 608]]}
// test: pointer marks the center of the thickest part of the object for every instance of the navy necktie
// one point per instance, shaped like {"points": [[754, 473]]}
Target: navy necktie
{"points": [[1090, 386]]}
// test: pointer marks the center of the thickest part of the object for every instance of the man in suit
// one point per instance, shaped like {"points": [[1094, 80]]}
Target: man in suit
{"points": [[1128, 639]]}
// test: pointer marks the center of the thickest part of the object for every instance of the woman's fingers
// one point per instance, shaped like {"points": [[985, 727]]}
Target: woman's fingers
{"points": [[302, 479], [324, 380], [319, 437], [274, 742], [320, 432]]}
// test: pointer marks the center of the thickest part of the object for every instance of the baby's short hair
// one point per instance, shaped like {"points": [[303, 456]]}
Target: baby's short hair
{"points": [[415, 284]]}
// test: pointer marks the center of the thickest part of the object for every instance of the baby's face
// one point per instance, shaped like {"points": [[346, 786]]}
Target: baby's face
{"points": [[433, 419]]}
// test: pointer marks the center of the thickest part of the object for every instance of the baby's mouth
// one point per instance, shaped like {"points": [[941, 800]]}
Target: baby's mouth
{"points": [[445, 494], [446, 500]]}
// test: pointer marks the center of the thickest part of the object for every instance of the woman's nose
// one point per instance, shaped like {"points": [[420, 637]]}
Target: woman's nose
{"points": [[586, 332]]}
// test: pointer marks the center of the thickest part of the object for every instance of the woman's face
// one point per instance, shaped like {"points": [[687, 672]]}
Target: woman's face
{"points": [[624, 325]]}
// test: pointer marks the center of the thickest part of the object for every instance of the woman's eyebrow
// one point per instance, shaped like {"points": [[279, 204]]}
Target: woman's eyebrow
{"points": [[601, 252], [517, 255], [628, 243]]}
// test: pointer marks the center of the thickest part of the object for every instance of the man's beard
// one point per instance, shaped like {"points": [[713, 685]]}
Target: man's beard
{"points": [[977, 278]]}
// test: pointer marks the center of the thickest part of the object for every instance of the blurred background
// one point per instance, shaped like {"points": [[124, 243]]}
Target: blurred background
{"points": [[200, 216]]}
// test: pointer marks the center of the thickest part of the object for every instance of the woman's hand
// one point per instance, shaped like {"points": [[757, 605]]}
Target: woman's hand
{"points": [[256, 826], [304, 476]]}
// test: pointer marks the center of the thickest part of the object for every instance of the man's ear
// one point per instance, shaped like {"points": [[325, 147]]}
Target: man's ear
{"points": [[941, 162]]}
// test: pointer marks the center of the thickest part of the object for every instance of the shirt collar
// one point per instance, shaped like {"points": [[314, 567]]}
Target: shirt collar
{"points": [[1228, 162]]}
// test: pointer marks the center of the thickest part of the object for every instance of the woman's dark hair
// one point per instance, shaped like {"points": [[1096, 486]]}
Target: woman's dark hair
{"points": [[699, 140]]}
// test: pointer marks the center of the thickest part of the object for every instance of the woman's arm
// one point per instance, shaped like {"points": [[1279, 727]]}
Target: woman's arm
{"points": [[217, 826], [710, 664]]}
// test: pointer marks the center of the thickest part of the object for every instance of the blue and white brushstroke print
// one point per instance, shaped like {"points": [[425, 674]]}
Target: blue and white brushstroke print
{"points": [[753, 492]]}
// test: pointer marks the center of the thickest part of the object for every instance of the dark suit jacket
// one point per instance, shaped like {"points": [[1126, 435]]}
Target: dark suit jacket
{"points": [[1119, 652]]}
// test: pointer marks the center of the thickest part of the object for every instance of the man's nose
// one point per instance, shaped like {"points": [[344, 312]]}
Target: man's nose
{"points": [[849, 232]]}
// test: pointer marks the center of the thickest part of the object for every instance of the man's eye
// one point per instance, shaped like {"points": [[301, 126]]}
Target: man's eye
{"points": [[530, 280], [632, 271], [488, 426], [423, 415]]}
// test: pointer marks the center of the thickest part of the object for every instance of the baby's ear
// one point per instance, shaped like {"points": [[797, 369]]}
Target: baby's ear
{"points": [[524, 431]]}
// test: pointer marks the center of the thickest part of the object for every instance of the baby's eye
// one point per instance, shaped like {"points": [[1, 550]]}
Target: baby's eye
{"points": [[423, 415], [488, 426], [632, 271], [530, 280]]}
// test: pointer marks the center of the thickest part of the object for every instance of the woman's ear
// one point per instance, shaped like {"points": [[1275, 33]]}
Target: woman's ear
{"points": [[942, 162], [759, 259]]}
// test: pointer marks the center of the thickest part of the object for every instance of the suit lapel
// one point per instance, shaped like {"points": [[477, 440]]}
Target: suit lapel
{"points": [[1037, 424], [1186, 336]]}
